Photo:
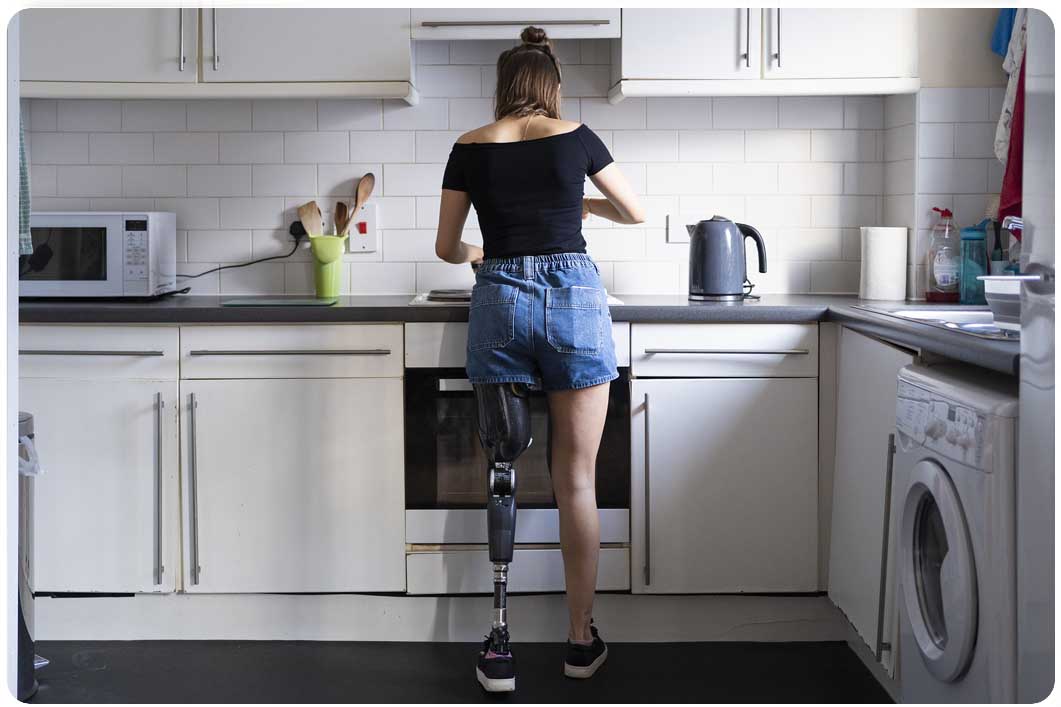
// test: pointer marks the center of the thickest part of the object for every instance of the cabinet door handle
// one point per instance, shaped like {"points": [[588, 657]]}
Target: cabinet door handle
{"points": [[292, 352], [747, 55], [881, 645], [727, 352], [777, 55], [180, 45], [213, 26], [57, 352], [511, 23], [159, 569], [193, 491], [648, 506]]}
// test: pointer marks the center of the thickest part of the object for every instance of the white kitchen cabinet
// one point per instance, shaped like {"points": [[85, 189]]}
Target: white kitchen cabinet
{"points": [[319, 44], [689, 43], [106, 505], [507, 23], [95, 44], [293, 485], [836, 43], [865, 421], [724, 485]]}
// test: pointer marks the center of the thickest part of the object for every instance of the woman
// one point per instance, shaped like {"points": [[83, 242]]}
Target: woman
{"points": [[539, 314]]}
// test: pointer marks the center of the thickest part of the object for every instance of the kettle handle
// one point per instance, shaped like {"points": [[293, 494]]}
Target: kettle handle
{"points": [[760, 245]]}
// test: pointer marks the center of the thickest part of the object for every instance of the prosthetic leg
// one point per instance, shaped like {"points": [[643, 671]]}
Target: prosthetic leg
{"points": [[505, 433]]}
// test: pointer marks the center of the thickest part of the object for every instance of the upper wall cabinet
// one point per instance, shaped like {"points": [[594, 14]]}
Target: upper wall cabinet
{"points": [[305, 45], [749, 51], [62, 44], [245, 53], [480, 23]]}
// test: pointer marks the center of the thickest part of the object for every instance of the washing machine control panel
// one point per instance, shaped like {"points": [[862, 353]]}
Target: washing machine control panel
{"points": [[952, 430]]}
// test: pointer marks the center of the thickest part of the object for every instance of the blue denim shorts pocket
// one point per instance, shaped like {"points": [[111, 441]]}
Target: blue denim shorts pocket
{"points": [[492, 317], [574, 319]]}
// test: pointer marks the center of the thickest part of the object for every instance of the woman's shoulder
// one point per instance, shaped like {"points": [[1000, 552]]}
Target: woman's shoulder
{"points": [[505, 131]]}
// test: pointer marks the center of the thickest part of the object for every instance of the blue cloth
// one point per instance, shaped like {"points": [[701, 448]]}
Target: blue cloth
{"points": [[542, 320], [1003, 31]]}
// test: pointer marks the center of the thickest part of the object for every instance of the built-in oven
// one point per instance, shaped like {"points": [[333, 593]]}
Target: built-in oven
{"points": [[446, 487]]}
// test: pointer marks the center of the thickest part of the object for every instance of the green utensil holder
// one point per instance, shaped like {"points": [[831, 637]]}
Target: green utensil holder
{"points": [[328, 264]]}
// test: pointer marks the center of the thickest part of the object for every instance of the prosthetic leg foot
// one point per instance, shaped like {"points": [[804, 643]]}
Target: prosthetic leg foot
{"points": [[504, 430]]}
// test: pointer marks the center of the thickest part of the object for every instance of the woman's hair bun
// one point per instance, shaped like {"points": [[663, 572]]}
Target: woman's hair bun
{"points": [[534, 35]]}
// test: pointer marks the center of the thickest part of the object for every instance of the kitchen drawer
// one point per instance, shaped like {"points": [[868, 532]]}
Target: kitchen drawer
{"points": [[443, 344], [532, 570], [724, 350], [98, 352], [299, 351]]}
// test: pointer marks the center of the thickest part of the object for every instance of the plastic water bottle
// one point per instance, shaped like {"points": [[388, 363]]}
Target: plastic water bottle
{"points": [[974, 264], [943, 260]]}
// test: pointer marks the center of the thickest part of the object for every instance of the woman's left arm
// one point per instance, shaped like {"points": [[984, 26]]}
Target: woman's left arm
{"points": [[452, 213]]}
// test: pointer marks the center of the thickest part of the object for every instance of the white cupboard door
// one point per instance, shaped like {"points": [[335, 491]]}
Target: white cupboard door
{"points": [[720, 43], [865, 417], [725, 497], [293, 485], [105, 516], [134, 45], [838, 43], [268, 44], [508, 22]]}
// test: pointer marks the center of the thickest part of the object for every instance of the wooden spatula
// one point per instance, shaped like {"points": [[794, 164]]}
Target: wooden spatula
{"points": [[310, 216], [342, 218], [362, 192]]}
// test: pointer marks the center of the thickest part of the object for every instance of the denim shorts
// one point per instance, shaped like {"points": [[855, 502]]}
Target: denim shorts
{"points": [[541, 320]]}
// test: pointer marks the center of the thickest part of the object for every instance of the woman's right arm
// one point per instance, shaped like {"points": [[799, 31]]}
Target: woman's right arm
{"points": [[620, 204], [452, 214]]}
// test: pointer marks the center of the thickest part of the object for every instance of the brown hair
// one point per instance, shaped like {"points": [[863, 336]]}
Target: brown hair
{"points": [[528, 78]]}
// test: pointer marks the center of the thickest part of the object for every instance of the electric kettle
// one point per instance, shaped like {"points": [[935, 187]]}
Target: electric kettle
{"points": [[717, 266]]}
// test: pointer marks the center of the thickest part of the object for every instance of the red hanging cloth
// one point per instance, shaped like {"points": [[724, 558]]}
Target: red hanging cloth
{"points": [[1009, 200]]}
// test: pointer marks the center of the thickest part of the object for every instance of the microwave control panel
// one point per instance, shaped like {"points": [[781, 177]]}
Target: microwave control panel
{"points": [[136, 267]]}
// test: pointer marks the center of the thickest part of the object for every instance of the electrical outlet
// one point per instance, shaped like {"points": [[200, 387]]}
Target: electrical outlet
{"points": [[364, 236]]}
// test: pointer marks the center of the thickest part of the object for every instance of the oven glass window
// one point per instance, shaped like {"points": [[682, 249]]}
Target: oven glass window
{"points": [[65, 253]]}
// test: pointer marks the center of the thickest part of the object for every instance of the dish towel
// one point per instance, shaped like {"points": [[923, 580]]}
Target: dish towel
{"points": [[1012, 66], [1009, 201], [1003, 31], [25, 242]]}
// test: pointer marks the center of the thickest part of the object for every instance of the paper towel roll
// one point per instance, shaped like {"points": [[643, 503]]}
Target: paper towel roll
{"points": [[883, 263]]}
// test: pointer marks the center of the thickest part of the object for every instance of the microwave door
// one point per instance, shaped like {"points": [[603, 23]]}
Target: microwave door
{"points": [[73, 256]]}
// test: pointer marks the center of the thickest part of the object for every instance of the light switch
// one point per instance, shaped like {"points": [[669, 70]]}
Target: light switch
{"points": [[364, 237]]}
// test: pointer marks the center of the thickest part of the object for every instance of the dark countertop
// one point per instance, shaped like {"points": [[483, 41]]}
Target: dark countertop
{"points": [[1001, 356]]}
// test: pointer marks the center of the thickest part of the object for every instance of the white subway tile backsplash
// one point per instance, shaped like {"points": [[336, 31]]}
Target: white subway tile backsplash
{"points": [[407, 246], [42, 179], [864, 112], [598, 114], [695, 208], [62, 203], [679, 178], [484, 51], [645, 278], [441, 276], [259, 279], [898, 210], [73, 180], [996, 96], [212, 116], [316, 147], [808, 243], [413, 179], [428, 114], [711, 145], [970, 209], [245, 212], [995, 172], [691, 113], [953, 105], [833, 211], [470, 113], [811, 178], [834, 277], [57, 148], [449, 81], [349, 114], [658, 247], [386, 278], [899, 142], [433, 146], [843, 145], [767, 210], [645, 145], [811, 112], [952, 176], [900, 110], [284, 115], [251, 148], [338, 180], [120, 148], [283, 179], [267, 242], [585, 81], [186, 148], [168, 180], [43, 115], [935, 140], [777, 146], [85, 116], [735, 178], [974, 140], [744, 113], [395, 211], [206, 285], [154, 116], [595, 51], [432, 52], [924, 203], [219, 180], [850, 244], [863, 178], [195, 212], [615, 243], [783, 277], [383, 146], [219, 246]]}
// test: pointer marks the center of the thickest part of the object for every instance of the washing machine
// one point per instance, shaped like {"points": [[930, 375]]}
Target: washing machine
{"points": [[953, 507]]}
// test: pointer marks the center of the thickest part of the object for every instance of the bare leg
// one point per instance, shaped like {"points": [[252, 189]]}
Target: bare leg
{"points": [[576, 424]]}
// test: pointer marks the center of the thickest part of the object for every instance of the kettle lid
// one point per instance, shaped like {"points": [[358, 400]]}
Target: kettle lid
{"points": [[716, 217]]}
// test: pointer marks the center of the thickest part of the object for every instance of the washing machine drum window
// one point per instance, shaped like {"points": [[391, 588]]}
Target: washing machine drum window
{"points": [[938, 572]]}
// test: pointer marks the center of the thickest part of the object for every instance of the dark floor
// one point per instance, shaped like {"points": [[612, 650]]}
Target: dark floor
{"points": [[285, 671]]}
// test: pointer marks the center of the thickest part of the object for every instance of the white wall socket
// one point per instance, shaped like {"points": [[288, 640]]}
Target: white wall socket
{"points": [[364, 236]]}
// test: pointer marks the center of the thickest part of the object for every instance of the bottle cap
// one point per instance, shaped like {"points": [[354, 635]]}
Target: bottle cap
{"points": [[943, 213]]}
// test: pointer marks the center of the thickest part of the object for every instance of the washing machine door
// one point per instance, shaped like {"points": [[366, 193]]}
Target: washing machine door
{"points": [[938, 572]]}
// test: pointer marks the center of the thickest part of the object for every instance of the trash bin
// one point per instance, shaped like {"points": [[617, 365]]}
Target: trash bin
{"points": [[28, 467]]}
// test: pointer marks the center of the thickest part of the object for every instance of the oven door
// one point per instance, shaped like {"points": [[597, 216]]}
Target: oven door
{"points": [[445, 467], [74, 255]]}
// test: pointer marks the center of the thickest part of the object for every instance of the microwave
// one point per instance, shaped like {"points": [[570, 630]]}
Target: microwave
{"points": [[100, 254]]}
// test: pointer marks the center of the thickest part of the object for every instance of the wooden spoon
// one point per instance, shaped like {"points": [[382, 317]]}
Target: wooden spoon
{"points": [[342, 218], [310, 216], [362, 192]]}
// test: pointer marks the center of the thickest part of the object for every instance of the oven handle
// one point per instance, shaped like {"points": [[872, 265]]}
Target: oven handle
{"points": [[450, 385]]}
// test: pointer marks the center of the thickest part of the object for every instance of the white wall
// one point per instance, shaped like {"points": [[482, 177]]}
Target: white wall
{"points": [[953, 48]]}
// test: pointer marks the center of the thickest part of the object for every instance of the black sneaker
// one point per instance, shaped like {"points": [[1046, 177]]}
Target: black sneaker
{"points": [[582, 661], [496, 670]]}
